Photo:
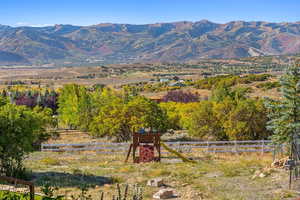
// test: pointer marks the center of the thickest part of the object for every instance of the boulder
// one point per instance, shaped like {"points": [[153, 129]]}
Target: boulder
{"points": [[164, 194], [262, 175], [156, 182]]}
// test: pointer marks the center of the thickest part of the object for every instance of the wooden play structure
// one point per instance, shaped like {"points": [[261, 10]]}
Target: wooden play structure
{"points": [[146, 143]]}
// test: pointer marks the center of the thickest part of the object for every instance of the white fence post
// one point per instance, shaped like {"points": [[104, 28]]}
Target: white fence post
{"points": [[263, 147], [207, 143], [235, 146]]}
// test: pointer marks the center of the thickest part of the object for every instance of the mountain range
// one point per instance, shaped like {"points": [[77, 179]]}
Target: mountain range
{"points": [[161, 42]]}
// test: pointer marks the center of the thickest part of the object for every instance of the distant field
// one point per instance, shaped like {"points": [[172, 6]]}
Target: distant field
{"points": [[115, 74], [55, 77], [118, 75]]}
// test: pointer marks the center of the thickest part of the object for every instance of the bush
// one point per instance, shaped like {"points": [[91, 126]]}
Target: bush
{"points": [[229, 80], [15, 196], [178, 114], [229, 116], [20, 127], [268, 85]]}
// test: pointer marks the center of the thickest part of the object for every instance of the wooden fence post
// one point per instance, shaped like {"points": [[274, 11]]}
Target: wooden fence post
{"points": [[31, 189]]}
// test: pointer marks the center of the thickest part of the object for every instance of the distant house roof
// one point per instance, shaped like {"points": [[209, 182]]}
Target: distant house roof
{"points": [[156, 99], [180, 84], [164, 80]]}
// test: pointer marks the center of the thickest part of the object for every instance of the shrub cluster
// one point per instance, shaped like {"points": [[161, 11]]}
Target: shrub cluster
{"points": [[268, 85], [20, 128], [227, 115], [229, 80]]}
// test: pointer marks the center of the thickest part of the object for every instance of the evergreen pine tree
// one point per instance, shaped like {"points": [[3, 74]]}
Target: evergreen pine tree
{"points": [[285, 113]]}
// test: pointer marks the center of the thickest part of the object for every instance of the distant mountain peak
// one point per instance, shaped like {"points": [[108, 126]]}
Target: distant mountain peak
{"points": [[205, 21], [175, 41]]}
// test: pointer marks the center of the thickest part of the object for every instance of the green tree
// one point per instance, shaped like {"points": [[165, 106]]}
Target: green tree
{"points": [[173, 116], [75, 106], [284, 114], [222, 91], [145, 113], [229, 115], [246, 121], [178, 114], [204, 122], [109, 119], [119, 118], [20, 127]]}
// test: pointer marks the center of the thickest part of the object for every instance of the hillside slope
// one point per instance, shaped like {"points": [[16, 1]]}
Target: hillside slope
{"points": [[178, 41]]}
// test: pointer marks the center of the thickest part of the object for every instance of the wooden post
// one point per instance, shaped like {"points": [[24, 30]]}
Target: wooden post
{"points": [[31, 189], [128, 154]]}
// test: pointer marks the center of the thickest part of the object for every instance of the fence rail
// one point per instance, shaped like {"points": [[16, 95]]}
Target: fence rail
{"points": [[182, 146]]}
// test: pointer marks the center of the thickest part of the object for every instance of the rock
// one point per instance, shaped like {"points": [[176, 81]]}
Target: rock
{"points": [[156, 182], [262, 175], [164, 194], [256, 174], [279, 163]]}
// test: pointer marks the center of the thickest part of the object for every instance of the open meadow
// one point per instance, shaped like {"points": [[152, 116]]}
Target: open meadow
{"points": [[214, 176]]}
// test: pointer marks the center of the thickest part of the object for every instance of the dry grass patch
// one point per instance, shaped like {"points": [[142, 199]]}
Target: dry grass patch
{"points": [[215, 176]]}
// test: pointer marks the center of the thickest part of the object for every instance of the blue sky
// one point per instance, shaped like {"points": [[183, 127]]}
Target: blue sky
{"points": [[87, 12]]}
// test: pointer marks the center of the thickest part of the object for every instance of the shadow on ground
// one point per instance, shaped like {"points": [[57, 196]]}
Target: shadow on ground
{"points": [[64, 179]]}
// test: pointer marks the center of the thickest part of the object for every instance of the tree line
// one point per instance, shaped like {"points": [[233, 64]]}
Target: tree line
{"points": [[229, 114]]}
